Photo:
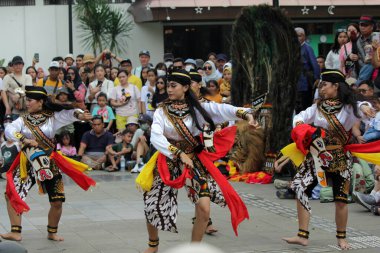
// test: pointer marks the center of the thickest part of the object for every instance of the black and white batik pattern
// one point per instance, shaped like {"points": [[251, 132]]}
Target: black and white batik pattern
{"points": [[304, 178], [23, 186]]}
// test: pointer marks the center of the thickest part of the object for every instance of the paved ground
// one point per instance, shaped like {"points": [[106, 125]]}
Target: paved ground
{"points": [[110, 218]]}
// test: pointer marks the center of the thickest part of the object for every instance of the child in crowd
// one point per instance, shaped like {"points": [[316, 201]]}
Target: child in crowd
{"points": [[104, 110], [124, 148], [225, 85], [213, 91], [373, 132], [147, 92], [66, 144]]}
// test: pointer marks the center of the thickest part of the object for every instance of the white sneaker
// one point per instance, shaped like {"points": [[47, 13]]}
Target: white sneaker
{"points": [[135, 169], [141, 166]]}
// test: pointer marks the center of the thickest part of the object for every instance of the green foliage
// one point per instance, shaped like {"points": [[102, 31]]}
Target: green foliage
{"points": [[102, 26], [2, 62]]}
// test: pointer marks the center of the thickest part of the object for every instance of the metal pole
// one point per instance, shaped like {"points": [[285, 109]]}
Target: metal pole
{"points": [[276, 3], [70, 2]]}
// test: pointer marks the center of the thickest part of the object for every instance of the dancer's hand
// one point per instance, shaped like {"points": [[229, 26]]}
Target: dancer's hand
{"points": [[252, 122], [186, 160]]}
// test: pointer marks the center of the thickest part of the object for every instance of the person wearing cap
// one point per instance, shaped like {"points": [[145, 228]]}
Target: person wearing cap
{"points": [[365, 50], [126, 64], [178, 63], [190, 64], [51, 83], [38, 160], [13, 88], [144, 57], [89, 62], [69, 60], [309, 74], [334, 116], [168, 59], [221, 59], [175, 132]]}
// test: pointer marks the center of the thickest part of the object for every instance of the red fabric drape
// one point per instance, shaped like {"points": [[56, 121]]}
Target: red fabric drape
{"points": [[77, 176], [223, 141], [371, 147], [302, 136]]}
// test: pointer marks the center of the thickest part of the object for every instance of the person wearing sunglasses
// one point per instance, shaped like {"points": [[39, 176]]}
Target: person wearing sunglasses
{"points": [[210, 71]]}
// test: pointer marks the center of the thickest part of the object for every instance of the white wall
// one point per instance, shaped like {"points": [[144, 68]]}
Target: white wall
{"points": [[43, 29]]}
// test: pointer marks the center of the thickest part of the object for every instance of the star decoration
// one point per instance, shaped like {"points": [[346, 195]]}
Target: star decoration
{"points": [[98, 9], [209, 8], [198, 10], [314, 7], [147, 6], [168, 18], [305, 10]]}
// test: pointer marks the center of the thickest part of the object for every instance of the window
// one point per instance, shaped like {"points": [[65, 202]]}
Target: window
{"points": [[56, 2], [17, 2]]}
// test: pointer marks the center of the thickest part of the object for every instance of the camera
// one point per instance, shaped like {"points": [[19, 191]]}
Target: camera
{"points": [[68, 79], [87, 70], [108, 56]]}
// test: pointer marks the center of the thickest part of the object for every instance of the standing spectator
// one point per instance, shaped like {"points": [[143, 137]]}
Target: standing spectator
{"points": [[161, 69], [168, 59], [212, 57], [332, 59], [104, 110], [125, 98], [100, 84], [113, 76], [364, 43], [321, 62], [13, 90], [348, 53], [52, 83], [178, 64], [60, 60], [94, 144], [79, 61], [210, 71], [190, 64], [147, 93], [127, 65], [144, 75], [310, 73], [75, 86], [144, 57], [33, 73], [117, 150], [62, 75], [89, 65], [3, 72], [160, 94], [40, 73], [221, 59], [69, 60]]}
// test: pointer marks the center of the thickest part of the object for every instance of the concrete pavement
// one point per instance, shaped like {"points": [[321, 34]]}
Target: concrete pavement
{"points": [[110, 218]]}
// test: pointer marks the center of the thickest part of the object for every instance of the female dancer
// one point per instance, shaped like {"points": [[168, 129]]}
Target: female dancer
{"points": [[38, 162], [176, 130], [336, 113]]}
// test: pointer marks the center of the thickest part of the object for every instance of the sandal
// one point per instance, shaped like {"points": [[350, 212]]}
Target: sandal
{"points": [[112, 169], [375, 210]]}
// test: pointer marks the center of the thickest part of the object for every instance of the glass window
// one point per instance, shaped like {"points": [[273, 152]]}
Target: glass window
{"points": [[17, 2]]}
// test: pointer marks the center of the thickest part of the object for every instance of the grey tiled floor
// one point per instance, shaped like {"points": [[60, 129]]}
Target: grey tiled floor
{"points": [[110, 218]]}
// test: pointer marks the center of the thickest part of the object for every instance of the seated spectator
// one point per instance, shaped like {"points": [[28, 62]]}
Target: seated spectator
{"points": [[94, 144], [8, 152], [104, 110], [366, 88], [141, 140], [117, 150], [373, 132], [66, 144], [371, 201], [51, 83]]}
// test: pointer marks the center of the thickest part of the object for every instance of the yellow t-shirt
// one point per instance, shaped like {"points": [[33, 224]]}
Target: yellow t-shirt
{"points": [[224, 86], [132, 79], [50, 85]]}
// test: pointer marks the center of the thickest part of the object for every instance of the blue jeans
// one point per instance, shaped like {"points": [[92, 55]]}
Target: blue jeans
{"points": [[371, 134], [365, 73]]}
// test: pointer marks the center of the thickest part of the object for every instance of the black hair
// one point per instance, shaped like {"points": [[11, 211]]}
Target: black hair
{"points": [[27, 69], [212, 82], [127, 131], [347, 96], [211, 53], [336, 46], [122, 71], [80, 56], [179, 60], [161, 65], [321, 56], [64, 73], [99, 117], [194, 104], [152, 70], [141, 76], [102, 94], [77, 79], [157, 97], [4, 69], [99, 66], [58, 58], [64, 134], [368, 82]]}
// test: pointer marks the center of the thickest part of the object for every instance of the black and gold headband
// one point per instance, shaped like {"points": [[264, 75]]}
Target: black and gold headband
{"points": [[332, 75]]}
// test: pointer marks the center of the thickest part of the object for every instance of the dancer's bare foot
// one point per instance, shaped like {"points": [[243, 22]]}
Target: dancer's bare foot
{"points": [[211, 229], [343, 244], [12, 236], [296, 240], [151, 250], [55, 237]]}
